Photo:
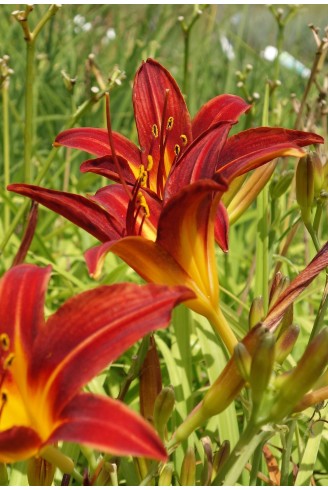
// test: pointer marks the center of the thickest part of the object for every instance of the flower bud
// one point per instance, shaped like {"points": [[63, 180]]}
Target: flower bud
{"points": [[256, 312], [261, 367], [40, 472], [221, 457], [305, 186], [221, 393], [243, 360], [106, 475], [4, 480], [150, 381], [206, 475], [281, 183], [188, 469], [301, 379], [165, 477], [163, 409], [317, 173], [286, 342], [279, 284]]}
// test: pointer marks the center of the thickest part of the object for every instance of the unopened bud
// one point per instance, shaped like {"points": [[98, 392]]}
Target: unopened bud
{"points": [[165, 477], [279, 284], [281, 183], [286, 342], [243, 360], [256, 312], [262, 365], [317, 172], [305, 186], [303, 376], [163, 409], [221, 457], [188, 469], [107, 474], [206, 475], [4, 480], [40, 472], [150, 381]]}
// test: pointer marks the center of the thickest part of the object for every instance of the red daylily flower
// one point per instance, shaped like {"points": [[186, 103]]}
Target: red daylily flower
{"points": [[174, 150], [44, 364]]}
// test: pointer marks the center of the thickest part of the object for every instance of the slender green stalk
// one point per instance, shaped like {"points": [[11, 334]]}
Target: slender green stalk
{"points": [[262, 239], [29, 111], [6, 146], [257, 457], [251, 438], [75, 117], [287, 450], [320, 318]]}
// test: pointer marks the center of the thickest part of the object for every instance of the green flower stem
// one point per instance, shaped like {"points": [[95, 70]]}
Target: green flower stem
{"points": [[287, 450], [6, 146], [90, 457], [251, 438], [319, 320], [29, 110], [75, 117], [257, 457], [262, 239], [223, 329]]}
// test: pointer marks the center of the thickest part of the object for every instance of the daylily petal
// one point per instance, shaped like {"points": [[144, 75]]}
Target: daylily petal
{"points": [[224, 107], [79, 340], [251, 148], [80, 210], [108, 425], [115, 200], [96, 142], [221, 227], [295, 288], [106, 167], [199, 160], [18, 443], [184, 250], [22, 292], [150, 97]]}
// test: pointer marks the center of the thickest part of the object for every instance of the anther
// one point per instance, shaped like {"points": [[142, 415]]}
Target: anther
{"points": [[177, 149], [143, 175], [184, 139], [170, 122], [150, 163], [143, 204], [8, 361], [4, 398], [154, 130], [4, 341]]}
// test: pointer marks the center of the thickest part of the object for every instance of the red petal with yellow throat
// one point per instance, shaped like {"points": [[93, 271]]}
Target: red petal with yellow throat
{"points": [[18, 443], [162, 117], [22, 293], [254, 147], [96, 142], [108, 425], [91, 330]]}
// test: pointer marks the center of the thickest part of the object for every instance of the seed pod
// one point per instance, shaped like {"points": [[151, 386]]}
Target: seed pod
{"points": [[188, 469], [163, 408]]}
